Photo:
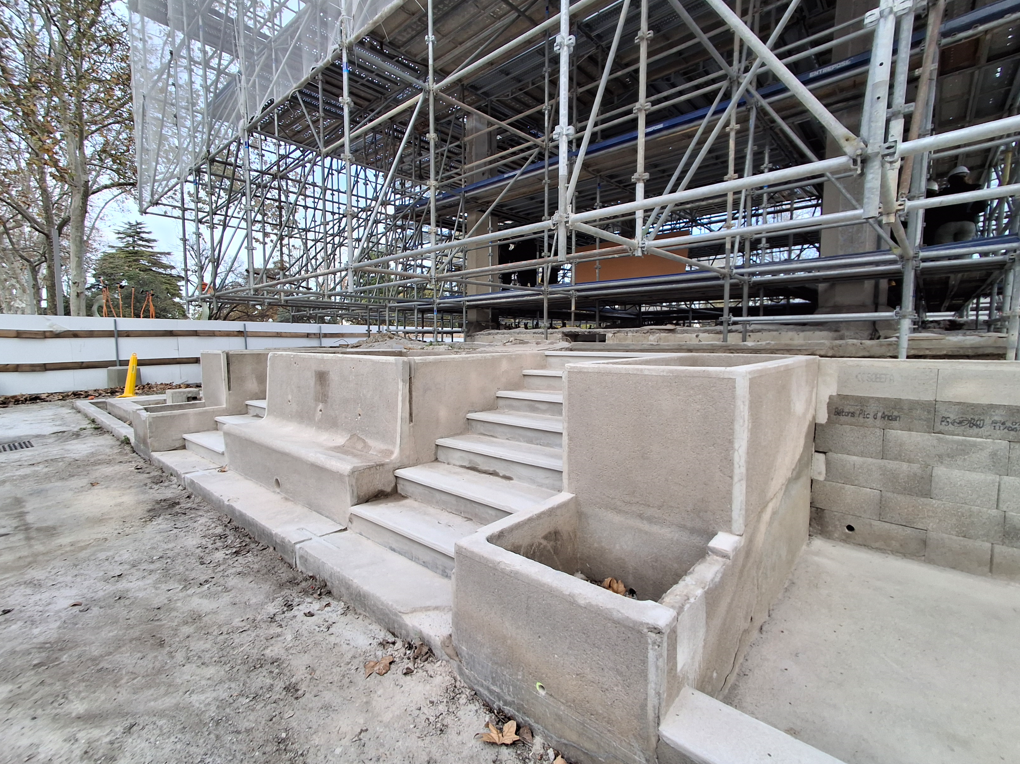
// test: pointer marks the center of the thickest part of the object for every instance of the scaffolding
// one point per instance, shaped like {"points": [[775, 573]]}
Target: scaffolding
{"points": [[446, 167]]}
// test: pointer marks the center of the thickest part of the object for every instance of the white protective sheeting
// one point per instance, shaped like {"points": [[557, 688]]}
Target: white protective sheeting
{"points": [[202, 70]]}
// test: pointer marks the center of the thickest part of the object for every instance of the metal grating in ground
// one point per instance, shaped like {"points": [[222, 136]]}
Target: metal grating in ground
{"points": [[16, 446]]}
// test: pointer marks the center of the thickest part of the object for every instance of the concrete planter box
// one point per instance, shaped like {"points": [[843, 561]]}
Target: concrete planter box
{"points": [[705, 536]]}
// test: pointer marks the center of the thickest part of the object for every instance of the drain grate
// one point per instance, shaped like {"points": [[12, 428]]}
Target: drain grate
{"points": [[17, 446]]}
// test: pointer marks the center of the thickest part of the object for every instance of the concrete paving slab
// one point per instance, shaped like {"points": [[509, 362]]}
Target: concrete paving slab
{"points": [[873, 658]]}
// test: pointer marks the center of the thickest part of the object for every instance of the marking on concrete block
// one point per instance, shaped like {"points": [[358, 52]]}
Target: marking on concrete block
{"points": [[977, 420], [16, 446], [886, 413]]}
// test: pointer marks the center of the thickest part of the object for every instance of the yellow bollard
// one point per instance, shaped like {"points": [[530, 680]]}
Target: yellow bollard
{"points": [[132, 377]]}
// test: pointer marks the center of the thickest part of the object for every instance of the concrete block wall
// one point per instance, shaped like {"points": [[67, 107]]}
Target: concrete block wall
{"points": [[921, 459]]}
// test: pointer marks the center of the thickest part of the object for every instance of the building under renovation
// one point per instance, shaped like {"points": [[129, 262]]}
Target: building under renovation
{"points": [[503, 163], [597, 539]]}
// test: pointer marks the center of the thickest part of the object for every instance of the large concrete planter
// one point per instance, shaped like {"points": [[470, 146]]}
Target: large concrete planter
{"points": [[688, 478]]}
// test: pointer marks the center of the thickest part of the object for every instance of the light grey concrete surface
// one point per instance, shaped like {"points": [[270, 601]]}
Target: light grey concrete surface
{"points": [[229, 378], [701, 730], [873, 658], [108, 422], [586, 666]]}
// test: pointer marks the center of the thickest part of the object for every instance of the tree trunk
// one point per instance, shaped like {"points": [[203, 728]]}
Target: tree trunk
{"points": [[80, 188]]}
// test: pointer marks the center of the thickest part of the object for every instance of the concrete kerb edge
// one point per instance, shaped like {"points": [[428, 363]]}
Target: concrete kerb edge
{"points": [[108, 422]]}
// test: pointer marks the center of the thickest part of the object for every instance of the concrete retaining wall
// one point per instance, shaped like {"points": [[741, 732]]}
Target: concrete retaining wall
{"points": [[42, 354], [922, 459]]}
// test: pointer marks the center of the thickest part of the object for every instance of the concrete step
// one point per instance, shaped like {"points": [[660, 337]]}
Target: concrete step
{"points": [[256, 408], [543, 379], [236, 419], [536, 465], [208, 445], [483, 498], [702, 729], [558, 359], [420, 533], [401, 596], [544, 402], [518, 426]]}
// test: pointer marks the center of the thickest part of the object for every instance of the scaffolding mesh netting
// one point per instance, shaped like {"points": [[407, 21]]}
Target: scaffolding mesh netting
{"points": [[203, 69]]}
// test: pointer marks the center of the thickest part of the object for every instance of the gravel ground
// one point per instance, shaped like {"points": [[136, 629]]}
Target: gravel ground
{"points": [[141, 626]]}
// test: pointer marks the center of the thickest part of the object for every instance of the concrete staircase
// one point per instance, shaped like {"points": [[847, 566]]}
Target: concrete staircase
{"points": [[209, 445], [509, 459]]}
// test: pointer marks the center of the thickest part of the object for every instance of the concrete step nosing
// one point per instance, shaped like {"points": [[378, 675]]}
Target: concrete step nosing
{"points": [[474, 496], [409, 534], [514, 420], [532, 460]]}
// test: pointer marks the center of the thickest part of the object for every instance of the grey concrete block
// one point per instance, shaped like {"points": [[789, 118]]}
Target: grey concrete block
{"points": [[888, 537], [980, 383], [1011, 530], [1005, 562], [849, 499], [1009, 494], [880, 474], [978, 489], [853, 441], [978, 420], [884, 379], [884, 413], [961, 554], [943, 517], [972, 454], [1014, 459]]}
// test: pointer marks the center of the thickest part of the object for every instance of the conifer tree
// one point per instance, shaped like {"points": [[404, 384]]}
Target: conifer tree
{"points": [[135, 263]]}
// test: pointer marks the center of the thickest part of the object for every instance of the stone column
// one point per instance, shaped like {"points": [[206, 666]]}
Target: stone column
{"points": [[477, 148]]}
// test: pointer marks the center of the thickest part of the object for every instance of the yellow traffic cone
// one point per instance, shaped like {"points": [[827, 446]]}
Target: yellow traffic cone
{"points": [[132, 378]]}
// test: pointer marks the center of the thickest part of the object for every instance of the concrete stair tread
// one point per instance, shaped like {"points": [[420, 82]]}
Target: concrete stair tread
{"points": [[434, 528], [404, 597], [238, 419], [532, 395], [212, 440], [507, 495], [256, 404], [520, 419], [543, 372], [525, 453]]}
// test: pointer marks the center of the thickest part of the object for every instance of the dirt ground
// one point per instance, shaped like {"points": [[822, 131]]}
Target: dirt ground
{"points": [[138, 625]]}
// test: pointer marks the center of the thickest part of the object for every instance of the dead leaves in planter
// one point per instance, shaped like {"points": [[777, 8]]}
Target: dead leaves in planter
{"points": [[380, 667], [614, 585], [507, 737]]}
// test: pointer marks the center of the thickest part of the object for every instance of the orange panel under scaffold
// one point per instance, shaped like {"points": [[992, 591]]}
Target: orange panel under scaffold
{"points": [[630, 267]]}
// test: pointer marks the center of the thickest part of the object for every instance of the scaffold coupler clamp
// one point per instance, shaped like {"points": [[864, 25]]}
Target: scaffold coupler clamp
{"points": [[558, 43]]}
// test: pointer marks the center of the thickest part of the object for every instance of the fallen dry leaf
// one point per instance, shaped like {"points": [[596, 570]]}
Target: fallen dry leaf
{"points": [[526, 735], [380, 667], [507, 737], [560, 760], [615, 586]]}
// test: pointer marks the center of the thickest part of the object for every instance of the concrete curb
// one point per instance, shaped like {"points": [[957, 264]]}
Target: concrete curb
{"points": [[108, 422]]}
